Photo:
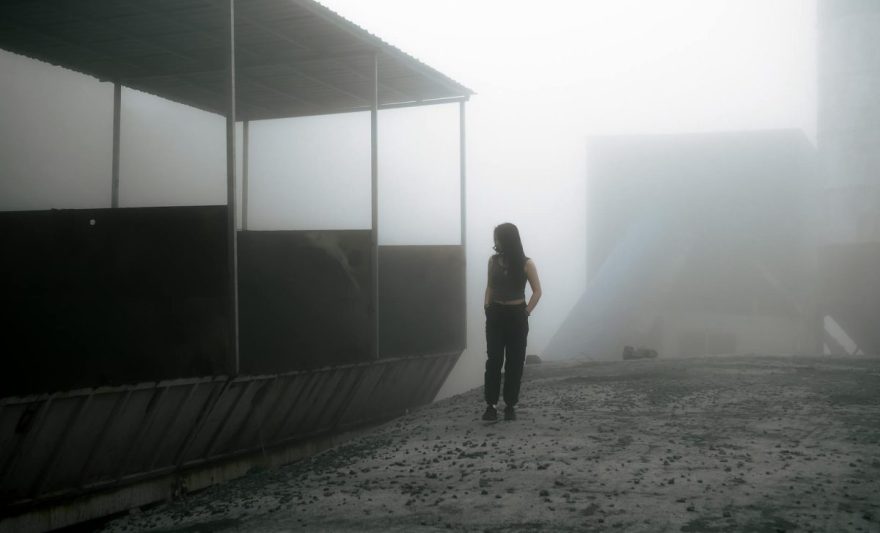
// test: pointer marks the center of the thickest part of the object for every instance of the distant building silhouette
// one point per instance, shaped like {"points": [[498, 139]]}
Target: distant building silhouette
{"points": [[697, 244]]}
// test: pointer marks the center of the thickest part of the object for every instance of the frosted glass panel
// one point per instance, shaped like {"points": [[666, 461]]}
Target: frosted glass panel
{"points": [[310, 173], [56, 137], [419, 184], [170, 154]]}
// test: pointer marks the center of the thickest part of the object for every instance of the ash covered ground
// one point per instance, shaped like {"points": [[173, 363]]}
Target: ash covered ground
{"points": [[741, 443]]}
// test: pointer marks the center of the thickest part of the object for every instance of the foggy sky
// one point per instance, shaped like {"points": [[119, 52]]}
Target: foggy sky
{"points": [[546, 75], [550, 75]]}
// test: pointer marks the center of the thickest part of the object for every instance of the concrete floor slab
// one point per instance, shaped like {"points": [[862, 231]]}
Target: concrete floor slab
{"points": [[742, 443]]}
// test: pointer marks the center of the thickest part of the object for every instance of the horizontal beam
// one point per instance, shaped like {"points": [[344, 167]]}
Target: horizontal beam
{"points": [[360, 109], [279, 61], [420, 103]]}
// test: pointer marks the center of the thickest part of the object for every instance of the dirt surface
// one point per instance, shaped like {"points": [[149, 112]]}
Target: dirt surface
{"points": [[702, 445]]}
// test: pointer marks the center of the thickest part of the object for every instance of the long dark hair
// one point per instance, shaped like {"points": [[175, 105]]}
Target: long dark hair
{"points": [[510, 246]]}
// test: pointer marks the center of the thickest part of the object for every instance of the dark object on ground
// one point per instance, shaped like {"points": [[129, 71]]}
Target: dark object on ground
{"points": [[490, 414], [533, 360], [638, 353], [509, 413]]}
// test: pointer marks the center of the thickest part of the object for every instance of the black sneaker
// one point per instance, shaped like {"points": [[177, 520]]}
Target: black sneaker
{"points": [[509, 413], [491, 413]]}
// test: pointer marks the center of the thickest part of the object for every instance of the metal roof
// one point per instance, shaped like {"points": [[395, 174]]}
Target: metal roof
{"points": [[293, 57]]}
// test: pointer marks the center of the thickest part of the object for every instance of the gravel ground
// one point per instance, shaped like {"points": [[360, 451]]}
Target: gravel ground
{"points": [[740, 443]]}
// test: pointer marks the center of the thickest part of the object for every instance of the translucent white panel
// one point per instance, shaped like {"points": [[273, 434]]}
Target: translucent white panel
{"points": [[170, 154], [239, 166], [419, 180], [56, 137], [310, 173]]}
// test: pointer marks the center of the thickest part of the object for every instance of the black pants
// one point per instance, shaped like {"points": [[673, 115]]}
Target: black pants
{"points": [[507, 328]]}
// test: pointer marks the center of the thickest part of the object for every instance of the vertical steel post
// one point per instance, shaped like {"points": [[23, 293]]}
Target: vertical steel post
{"points": [[232, 248], [374, 226], [462, 203], [117, 116], [244, 174]]}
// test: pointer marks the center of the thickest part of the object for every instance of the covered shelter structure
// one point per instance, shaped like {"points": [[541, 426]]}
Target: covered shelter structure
{"points": [[153, 347]]}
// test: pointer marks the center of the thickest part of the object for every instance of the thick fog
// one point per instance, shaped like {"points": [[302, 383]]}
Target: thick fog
{"points": [[548, 77]]}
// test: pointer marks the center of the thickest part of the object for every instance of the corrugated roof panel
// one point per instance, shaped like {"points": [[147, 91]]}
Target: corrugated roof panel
{"points": [[286, 50]]}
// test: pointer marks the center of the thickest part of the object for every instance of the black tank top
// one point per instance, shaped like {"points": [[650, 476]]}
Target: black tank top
{"points": [[505, 285]]}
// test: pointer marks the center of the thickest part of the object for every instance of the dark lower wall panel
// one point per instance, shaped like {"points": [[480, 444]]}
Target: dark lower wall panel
{"points": [[60, 445], [421, 291], [304, 299], [109, 296]]}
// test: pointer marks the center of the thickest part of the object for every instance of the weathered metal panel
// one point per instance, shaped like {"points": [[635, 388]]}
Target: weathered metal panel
{"points": [[39, 447], [435, 378], [136, 422], [292, 424], [94, 438], [428, 376], [359, 408], [440, 376], [340, 401], [331, 394], [247, 435], [391, 389], [104, 457], [296, 386], [243, 410], [100, 297], [412, 380], [14, 420], [175, 428], [162, 413], [66, 467], [213, 422], [420, 300], [304, 299]]}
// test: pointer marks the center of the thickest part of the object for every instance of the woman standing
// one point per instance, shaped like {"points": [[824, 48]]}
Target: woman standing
{"points": [[507, 318]]}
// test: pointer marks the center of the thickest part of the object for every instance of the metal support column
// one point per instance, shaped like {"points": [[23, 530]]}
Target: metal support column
{"points": [[462, 203], [244, 174], [374, 226], [232, 248], [117, 116]]}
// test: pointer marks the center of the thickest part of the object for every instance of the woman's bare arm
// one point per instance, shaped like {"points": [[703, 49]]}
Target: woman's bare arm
{"points": [[487, 299], [534, 283]]}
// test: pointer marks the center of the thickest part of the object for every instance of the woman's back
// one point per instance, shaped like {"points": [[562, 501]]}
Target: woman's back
{"points": [[506, 283]]}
